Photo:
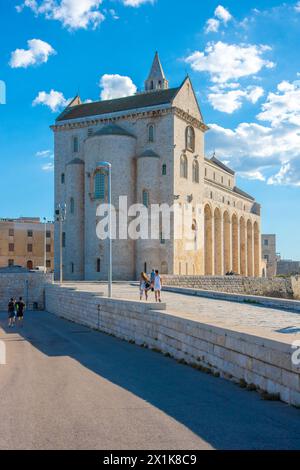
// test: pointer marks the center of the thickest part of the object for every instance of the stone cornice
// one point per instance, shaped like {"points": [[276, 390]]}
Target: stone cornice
{"points": [[190, 119], [68, 125]]}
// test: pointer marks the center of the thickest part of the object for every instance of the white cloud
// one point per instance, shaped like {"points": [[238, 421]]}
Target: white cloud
{"points": [[116, 86], [223, 14], [212, 25], [48, 167], [288, 174], [284, 105], [73, 14], [136, 3], [230, 101], [252, 175], [44, 154], [55, 100], [38, 52], [297, 7], [225, 62]]}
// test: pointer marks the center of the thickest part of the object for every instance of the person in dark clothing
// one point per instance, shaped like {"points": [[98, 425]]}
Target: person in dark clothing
{"points": [[20, 307], [11, 313]]}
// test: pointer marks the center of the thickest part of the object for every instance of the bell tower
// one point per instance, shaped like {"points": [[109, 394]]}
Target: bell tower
{"points": [[157, 79]]}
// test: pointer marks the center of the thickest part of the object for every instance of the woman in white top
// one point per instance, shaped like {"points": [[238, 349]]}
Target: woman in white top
{"points": [[157, 286]]}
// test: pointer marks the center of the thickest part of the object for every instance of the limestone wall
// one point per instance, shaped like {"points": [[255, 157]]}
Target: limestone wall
{"points": [[275, 287], [263, 363], [29, 285]]}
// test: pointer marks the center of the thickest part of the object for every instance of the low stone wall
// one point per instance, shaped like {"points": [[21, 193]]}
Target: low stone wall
{"points": [[260, 362], [29, 285], [276, 287]]}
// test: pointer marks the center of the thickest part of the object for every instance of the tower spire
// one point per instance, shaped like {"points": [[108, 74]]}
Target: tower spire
{"points": [[157, 79]]}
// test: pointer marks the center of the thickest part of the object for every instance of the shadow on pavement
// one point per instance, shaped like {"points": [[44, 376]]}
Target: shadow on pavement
{"points": [[218, 411]]}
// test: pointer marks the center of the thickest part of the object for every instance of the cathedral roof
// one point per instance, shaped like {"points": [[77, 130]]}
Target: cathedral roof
{"points": [[113, 129], [221, 165], [242, 193], [143, 100], [149, 153]]}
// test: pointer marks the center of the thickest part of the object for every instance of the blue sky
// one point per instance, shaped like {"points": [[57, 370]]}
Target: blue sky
{"points": [[243, 58]]}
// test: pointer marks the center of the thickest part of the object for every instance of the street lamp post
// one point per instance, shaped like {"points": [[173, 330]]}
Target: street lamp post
{"points": [[45, 245], [107, 167], [61, 217]]}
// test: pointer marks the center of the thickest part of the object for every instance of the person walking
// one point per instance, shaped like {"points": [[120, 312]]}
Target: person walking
{"points": [[152, 279], [144, 286], [20, 307], [157, 287], [11, 313]]}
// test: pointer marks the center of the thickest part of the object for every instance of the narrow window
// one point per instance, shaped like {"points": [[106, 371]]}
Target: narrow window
{"points": [[164, 170], [99, 185], [29, 233], [64, 239], [146, 198], [151, 133], [29, 247], [72, 268], [48, 248], [190, 139], [48, 263], [72, 205], [62, 178], [183, 167], [11, 262], [98, 265], [11, 232], [75, 145], [48, 234], [11, 247], [195, 172], [145, 267]]}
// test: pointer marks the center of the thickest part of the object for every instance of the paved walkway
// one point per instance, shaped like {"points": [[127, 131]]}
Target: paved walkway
{"points": [[67, 387], [279, 325]]}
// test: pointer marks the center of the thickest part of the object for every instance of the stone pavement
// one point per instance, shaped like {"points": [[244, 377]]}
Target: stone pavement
{"points": [[68, 387], [279, 325]]}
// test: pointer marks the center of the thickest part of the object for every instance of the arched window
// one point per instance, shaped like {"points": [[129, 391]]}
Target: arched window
{"points": [[183, 166], [190, 139], [75, 145], [164, 170], [151, 133], [99, 185], [195, 172], [146, 198], [72, 205]]}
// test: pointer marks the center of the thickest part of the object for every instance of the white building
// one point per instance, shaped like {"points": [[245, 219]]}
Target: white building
{"points": [[155, 143]]}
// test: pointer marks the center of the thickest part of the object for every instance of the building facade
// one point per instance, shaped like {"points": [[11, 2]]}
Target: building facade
{"points": [[24, 241], [154, 141], [269, 253]]}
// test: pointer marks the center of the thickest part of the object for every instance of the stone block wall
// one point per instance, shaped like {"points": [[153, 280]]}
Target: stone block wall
{"points": [[265, 364], [276, 287], [29, 285]]}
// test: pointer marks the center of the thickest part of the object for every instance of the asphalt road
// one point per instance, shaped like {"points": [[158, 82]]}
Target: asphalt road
{"points": [[66, 387]]}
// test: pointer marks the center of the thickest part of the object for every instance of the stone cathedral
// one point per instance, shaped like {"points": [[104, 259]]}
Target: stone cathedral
{"points": [[154, 141]]}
